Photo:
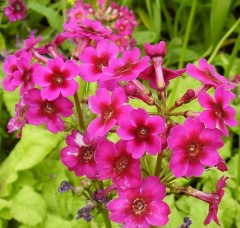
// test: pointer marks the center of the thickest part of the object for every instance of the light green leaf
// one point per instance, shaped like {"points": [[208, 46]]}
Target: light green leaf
{"points": [[29, 207], [2, 43], [54, 19], [142, 37], [53, 221], [5, 209]]}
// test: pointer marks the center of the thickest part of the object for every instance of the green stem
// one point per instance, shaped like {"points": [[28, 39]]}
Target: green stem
{"points": [[233, 56], [178, 14], [168, 20], [238, 171], [167, 177], [106, 220], [187, 33], [79, 111], [235, 25], [146, 164], [158, 164]]}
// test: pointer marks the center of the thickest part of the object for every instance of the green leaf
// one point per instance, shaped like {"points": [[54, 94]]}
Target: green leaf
{"points": [[5, 209], [53, 221], [2, 43], [142, 37], [29, 207], [54, 19], [219, 12]]}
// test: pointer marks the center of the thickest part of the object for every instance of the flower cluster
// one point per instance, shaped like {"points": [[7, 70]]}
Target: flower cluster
{"points": [[48, 80], [15, 10]]}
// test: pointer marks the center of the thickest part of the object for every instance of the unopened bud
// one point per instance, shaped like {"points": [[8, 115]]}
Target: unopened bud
{"points": [[186, 98], [78, 190]]}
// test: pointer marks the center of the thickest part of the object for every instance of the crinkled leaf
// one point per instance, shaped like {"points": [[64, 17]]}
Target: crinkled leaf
{"points": [[29, 207]]}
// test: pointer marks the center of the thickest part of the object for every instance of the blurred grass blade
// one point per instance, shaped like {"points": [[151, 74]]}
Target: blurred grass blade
{"points": [[156, 20], [53, 18], [144, 17], [149, 8], [219, 11]]}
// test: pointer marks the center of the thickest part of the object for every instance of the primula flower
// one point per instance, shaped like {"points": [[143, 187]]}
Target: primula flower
{"points": [[79, 154], [127, 68], [115, 162], [19, 120], [213, 199], [24, 75], [168, 74], [141, 132], [110, 108], [43, 111], [31, 42], [156, 50], [56, 78], [15, 10], [218, 110], [207, 74], [142, 206], [93, 60], [193, 147]]}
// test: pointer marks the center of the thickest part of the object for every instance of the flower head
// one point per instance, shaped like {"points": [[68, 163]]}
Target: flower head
{"points": [[115, 162], [127, 68], [141, 132], [142, 206], [79, 154], [193, 147], [43, 111], [156, 50], [207, 74], [110, 108], [15, 10], [56, 78], [93, 60], [218, 112]]}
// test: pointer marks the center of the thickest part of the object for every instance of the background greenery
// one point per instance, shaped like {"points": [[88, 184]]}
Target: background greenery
{"points": [[30, 170]]}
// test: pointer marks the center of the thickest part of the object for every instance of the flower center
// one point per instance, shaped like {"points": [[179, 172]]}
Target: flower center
{"points": [[26, 76], [48, 108], [125, 68], [218, 111], [58, 78], [17, 6], [107, 113], [101, 62], [194, 149], [143, 132], [87, 153], [139, 206], [121, 164], [88, 30]]}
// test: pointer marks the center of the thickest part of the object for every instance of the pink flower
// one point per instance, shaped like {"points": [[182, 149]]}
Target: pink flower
{"points": [[79, 154], [44, 111], [24, 75], [193, 147], [207, 74], [156, 50], [95, 59], [142, 206], [141, 132], [57, 78], [168, 74], [115, 162], [94, 30], [218, 110], [19, 120], [127, 68], [15, 10], [31, 42], [213, 199], [123, 27], [109, 108]]}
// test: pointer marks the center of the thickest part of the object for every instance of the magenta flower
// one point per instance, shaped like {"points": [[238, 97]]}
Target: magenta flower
{"points": [[213, 199], [57, 78], [110, 108], [168, 74], [43, 111], [115, 162], [193, 147], [19, 120], [127, 68], [218, 110], [142, 206], [156, 50], [141, 132], [15, 10], [95, 59], [207, 74], [31, 42], [24, 75], [79, 154], [94, 30]]}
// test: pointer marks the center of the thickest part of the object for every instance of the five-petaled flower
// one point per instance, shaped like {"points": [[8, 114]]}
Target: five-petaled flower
{"points": [[142, 206]]}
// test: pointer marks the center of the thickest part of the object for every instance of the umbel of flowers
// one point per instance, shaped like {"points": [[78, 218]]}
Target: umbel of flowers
{"points": [[118, 179]]}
